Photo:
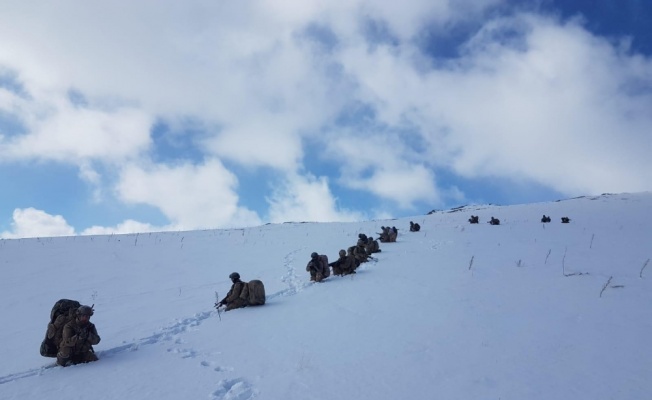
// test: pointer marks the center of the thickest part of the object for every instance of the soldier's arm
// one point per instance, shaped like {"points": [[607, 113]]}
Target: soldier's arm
{"points": [[93, 337], [234, 293], [226, 298]]}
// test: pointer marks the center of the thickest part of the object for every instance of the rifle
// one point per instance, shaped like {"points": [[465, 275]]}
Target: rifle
{"points": [[83, 334], [217, 305]]}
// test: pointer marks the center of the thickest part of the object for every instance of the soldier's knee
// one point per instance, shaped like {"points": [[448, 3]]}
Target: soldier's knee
{"points": [[63, 361]]}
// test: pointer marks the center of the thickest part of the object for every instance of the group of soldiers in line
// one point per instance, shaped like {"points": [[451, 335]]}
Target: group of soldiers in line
{"points": [[349, 260], [475, 220], [495, 221], [319, 268], [546, 218]]}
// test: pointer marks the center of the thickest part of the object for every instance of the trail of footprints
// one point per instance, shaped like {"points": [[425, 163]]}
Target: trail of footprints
{"points": [[228, 389]]}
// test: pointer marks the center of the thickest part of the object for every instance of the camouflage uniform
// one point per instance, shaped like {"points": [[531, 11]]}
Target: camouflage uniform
{"points": [[360, 253], [77, 342], [384, 235], [344, 265], [317, 269], [393, 233], [372, 246], [233, 299]]}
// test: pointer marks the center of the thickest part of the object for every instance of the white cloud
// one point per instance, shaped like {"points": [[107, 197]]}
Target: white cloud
{"points": [[553, 104], [305, 198], [30, 222], [61, 131], [191, 196], [380, 163], [530, 99]]}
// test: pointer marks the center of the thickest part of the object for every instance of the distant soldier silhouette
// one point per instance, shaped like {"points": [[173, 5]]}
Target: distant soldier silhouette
{"points": [[384, 235], [393, 234], [474, 219], [494, 221]]}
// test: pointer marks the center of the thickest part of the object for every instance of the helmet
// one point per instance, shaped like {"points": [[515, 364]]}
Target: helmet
{"points": [[342, 253], [314, 255], [85, 310], [234, 275]]}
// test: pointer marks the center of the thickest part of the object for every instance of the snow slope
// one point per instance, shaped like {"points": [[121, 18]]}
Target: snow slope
{"points": [[522, 310]]}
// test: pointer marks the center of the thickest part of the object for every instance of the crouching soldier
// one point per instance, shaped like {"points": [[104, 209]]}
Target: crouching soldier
{"points": [[384, 235], [318, 267], [372, 246], [344, 265], [233, 299], [393, 234], [359, 251], [78, 338]]}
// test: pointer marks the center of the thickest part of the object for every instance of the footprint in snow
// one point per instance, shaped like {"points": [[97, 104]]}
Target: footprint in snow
{"points": [[234, 389], [216, 369]]}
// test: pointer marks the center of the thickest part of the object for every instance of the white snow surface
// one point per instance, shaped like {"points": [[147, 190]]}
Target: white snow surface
{"points": [[523, 310]]}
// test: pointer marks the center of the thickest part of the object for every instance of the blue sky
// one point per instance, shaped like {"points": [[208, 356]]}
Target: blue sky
{"points": [[237, 114]]}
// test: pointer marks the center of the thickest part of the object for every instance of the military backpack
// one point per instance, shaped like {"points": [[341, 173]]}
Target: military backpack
{"points": [[65, 310], [256, 291]]}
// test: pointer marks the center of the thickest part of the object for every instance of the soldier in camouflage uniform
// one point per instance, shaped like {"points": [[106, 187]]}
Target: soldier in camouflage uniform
{"points": [[393, 234], [78, 338], [344, 265], [233, 299], [384, 234], [318, 271], [360, 252], [372, 246]]}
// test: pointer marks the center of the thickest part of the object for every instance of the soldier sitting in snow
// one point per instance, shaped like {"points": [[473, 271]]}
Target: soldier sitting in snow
{"points": [[234, 298], [318, 267], [344, 265]]}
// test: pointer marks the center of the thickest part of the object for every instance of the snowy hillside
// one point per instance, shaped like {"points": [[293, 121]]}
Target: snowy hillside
{"points": [[523, 310]]}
